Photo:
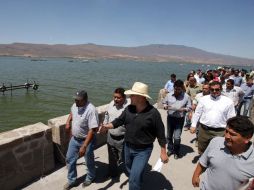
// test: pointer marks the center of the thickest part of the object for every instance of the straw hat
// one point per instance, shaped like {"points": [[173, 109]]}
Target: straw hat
{"points": [[138, 88]]}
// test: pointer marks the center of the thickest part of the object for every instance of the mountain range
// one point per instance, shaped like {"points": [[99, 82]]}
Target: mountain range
{"points": [[154, 52]]}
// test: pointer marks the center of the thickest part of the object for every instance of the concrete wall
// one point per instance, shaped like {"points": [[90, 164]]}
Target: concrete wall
{"points": [[25, 154], [30, 152]]}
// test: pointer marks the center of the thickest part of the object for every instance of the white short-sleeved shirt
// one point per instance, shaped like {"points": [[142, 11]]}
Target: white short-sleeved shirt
{"points": [[83, 119]]}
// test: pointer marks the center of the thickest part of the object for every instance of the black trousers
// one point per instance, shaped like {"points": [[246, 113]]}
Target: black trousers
{"points": [[114, 158]]}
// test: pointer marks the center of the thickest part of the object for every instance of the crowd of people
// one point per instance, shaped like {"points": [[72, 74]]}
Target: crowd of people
{"points": [[213, 105]]}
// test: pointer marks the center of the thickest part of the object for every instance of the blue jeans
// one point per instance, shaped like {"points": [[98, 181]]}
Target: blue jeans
{"points": [[174, 127], [247, 105], [135, 162], [73, 155]]}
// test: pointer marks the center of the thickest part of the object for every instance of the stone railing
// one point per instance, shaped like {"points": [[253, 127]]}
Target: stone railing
{"points": [[25, 154], [30, 152]]}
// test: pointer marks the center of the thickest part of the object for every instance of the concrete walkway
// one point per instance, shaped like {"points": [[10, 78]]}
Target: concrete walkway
{"points": [[176, 174]]}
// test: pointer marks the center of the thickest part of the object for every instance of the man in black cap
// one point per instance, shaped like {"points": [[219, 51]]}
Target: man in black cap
{"points": [[82, 122]]}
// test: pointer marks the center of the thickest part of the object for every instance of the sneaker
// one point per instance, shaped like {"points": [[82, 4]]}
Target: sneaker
{"points": [[87, 183], [68, 186]]}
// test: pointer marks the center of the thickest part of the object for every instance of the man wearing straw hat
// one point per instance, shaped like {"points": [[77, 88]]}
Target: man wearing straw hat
{"points": [[143, 124]]}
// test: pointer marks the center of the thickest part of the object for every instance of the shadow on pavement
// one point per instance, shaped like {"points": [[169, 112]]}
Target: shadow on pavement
{"points": [[102, 175], [184, 150], [154, 180]]}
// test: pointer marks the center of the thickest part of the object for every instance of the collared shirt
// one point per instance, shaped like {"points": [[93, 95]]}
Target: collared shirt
{"points": [[192, 91], [224, 170], [142, 128], [248, 90], [169, 86], [238, 80], [234, 94], [83, 119], [200, 80], [182, 101], [213, 112], [113, 113]]}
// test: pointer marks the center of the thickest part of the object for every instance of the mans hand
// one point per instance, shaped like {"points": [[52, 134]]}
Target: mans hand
{"points": [[182, 109], [251, 186], [195, 181], [67, 126], [192, 130], [82, 150], [164, 158], [103, 129]]}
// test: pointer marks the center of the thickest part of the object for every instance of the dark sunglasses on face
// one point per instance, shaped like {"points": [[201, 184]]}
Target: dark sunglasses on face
{"points": [[215, 89]]}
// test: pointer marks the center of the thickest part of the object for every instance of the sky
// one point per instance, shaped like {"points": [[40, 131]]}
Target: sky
{"points": [[219, 26]]}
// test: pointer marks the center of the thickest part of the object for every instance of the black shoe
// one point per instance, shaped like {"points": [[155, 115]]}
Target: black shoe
{"points": [[87, 183], [169, 153], [176, 156]]}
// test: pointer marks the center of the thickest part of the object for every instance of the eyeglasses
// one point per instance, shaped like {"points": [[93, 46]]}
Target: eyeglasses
{"points": [[178, 89], [215, 89]]}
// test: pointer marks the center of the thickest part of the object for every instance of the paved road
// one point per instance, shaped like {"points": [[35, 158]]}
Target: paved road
{"points": [[175, 175]]}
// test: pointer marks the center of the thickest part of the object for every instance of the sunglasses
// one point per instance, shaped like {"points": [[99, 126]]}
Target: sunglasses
{"points": [[215, 89]]}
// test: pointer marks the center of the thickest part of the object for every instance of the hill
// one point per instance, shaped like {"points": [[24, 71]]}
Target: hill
{"points": [[154, 52]]}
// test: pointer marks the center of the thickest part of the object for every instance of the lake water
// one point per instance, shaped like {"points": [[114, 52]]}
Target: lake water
{"points": [[59, 78]]}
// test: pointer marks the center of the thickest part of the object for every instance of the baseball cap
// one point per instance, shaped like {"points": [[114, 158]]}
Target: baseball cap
{"points": [[80, 95]]}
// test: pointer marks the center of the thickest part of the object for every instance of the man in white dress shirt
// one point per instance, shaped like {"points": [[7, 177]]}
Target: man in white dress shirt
{"points": [[212, 112]]}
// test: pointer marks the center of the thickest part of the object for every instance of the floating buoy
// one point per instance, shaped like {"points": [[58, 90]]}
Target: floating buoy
{"points": [[26, 86]]}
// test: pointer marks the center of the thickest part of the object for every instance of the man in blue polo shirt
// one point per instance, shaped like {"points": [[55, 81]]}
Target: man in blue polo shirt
{"points": [[228, 161]]}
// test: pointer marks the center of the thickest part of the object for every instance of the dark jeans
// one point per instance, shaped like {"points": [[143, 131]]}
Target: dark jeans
{"points": [[135, 161], [114, 158], [175, 127]]}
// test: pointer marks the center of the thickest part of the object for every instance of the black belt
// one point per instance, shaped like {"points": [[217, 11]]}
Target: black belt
{"points": [[79, 138], [139, 146], [118, 138], [247, 98], [211, 128]]}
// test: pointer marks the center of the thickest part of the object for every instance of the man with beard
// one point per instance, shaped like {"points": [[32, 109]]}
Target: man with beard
{"points": [[177, 104], [115, 137]]}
